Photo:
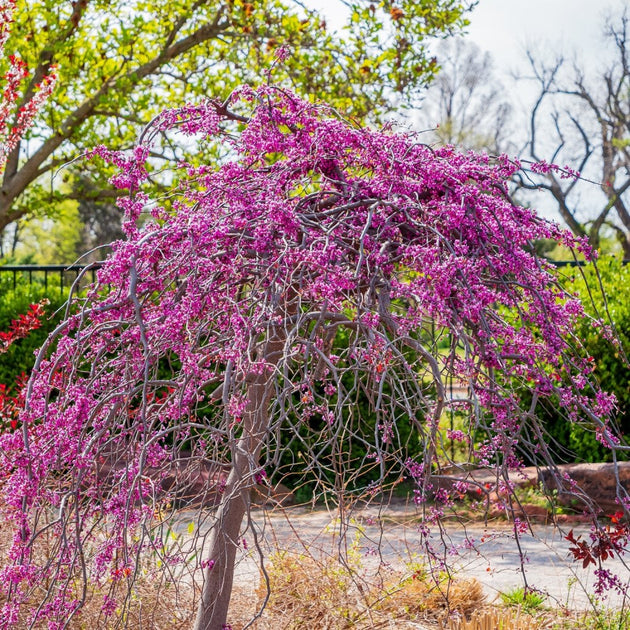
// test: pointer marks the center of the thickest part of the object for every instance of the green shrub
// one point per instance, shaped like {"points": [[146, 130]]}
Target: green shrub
{"points": [[529, 601], [20, 356], [611, 366]]}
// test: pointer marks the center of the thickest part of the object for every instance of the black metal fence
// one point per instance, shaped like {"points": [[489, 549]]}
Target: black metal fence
{"points": [[575, 263], [55, 275], [64, 275]]}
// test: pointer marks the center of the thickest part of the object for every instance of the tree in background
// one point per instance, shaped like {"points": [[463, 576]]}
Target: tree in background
{"points": [[317, 266], [583, 121], [16, 117], [119, 63], [466, 105]]}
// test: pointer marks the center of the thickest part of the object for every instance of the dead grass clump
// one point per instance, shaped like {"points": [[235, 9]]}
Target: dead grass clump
{"points": [[492, 619], [423, 596], [149, 603], [306, 592], [150, 606]]}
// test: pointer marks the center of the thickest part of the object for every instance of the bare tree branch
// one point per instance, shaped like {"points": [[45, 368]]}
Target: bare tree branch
{"points": [[596, 138]]}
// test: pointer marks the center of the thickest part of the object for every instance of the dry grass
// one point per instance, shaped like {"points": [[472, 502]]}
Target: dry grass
{"points": [[147, 611], [422, 596], [308, 592], [492, 619], [152, 603], [148, 607]]}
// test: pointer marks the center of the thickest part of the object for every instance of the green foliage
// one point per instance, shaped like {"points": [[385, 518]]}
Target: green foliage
{"points": [[51, 240], [605, 293], [119, 63], [529, 601], [536, 495], [606, 619], [611, 362], [20, 356]]}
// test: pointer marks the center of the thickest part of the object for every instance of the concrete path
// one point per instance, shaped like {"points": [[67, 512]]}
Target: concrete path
{"points": [[392, 537]]}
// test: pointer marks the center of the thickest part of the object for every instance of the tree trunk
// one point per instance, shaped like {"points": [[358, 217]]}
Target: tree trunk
{"points": [[224, 540], [219, 574]]}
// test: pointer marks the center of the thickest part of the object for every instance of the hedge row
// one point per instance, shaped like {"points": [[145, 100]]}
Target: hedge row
{"points": [[20, 356]]}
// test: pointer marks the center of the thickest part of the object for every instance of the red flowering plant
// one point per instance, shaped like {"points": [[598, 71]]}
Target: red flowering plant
{"points": [[12, 397], [16, 114], [21, 326], [322, 281]]}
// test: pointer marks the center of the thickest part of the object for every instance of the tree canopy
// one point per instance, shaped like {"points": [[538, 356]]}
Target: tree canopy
{"points": [[319, 285], [119, 63], [16, 116]]}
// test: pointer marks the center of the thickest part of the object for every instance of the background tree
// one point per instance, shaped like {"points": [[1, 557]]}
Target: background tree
{"points": [[15, 119], [45, 241], [79, 229], [582, 120], [465, 105], [100, 225], [319, 265], [119, 63]]}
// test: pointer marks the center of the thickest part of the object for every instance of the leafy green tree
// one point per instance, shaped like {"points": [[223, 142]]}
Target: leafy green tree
{"points": [[119, 63]]}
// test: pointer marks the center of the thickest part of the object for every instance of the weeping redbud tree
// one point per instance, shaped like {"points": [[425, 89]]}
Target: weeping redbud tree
{"points": [[302, 305]]}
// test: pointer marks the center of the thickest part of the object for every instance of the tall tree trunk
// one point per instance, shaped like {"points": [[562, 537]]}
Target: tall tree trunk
{"points": [[219, 573]]}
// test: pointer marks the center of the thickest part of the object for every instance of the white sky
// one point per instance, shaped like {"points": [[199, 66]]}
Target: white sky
{"points": [[507, 27], [573, 28]]}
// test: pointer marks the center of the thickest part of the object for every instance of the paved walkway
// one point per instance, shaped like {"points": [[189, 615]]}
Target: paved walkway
{"points": [[392, 537]]}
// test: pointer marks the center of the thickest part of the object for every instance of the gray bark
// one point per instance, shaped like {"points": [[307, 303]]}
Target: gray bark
{"points": [[219, 574]]}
